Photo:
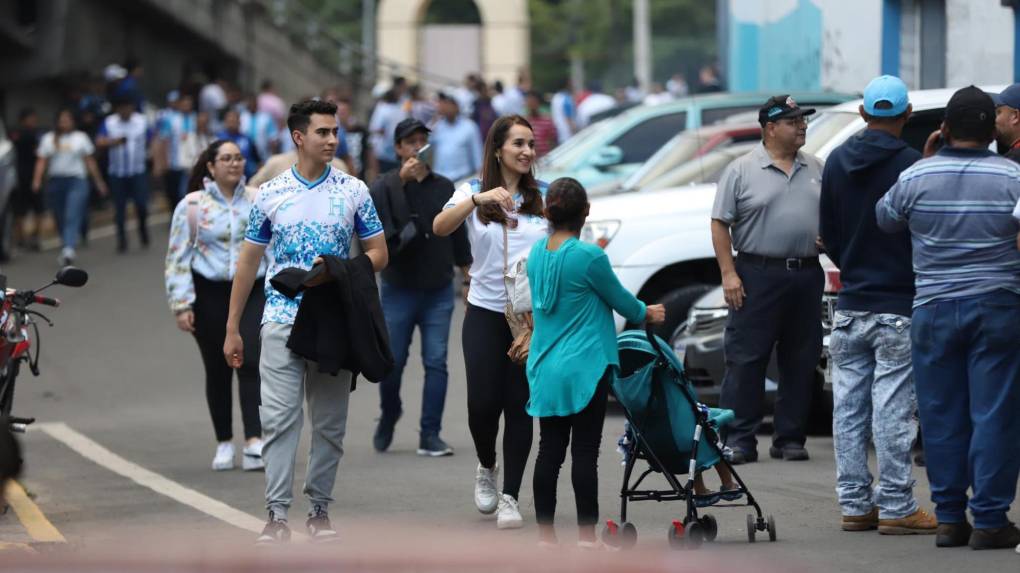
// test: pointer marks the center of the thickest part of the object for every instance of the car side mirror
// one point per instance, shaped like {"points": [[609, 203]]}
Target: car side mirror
{"points": [[71, 276], [608, 156]]}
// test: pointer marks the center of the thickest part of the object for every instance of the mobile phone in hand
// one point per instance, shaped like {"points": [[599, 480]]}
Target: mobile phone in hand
{"points": [[425, 153]]}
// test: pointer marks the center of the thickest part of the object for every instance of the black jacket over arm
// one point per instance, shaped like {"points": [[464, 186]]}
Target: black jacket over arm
{"points": [[339, 324], [425, 261]]}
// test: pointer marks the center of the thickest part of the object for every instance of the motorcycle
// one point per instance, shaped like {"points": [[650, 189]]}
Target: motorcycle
{"points": [[19, 332]]}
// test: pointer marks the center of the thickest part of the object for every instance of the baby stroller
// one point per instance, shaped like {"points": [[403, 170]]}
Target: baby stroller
{"points": [[676, 435]]}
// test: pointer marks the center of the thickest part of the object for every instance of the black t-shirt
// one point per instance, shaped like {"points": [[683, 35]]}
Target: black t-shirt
{"points": [[26, 141]]}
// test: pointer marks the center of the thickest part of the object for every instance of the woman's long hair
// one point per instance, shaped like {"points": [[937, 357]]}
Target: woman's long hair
{"points": [[201, 169], [492, 176]]}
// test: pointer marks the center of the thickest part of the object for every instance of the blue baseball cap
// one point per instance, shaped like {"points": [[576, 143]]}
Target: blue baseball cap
{"points": [[890, 89], [1009, 97]]}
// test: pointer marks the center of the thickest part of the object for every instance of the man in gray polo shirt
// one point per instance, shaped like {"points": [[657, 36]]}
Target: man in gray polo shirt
{"points": [[766, 208]]}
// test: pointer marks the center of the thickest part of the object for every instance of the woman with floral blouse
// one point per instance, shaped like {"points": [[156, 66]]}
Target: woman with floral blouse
{"points": [[206, 234]]}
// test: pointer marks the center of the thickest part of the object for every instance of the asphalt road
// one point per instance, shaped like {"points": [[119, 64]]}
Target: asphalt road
{"points": [[119, 379]]}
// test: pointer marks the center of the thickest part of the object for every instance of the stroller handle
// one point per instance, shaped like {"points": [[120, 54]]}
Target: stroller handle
{"points": [[650, 332]]}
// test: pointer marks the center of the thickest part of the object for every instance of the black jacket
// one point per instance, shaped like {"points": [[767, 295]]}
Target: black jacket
{"points": [[339, 324], [425, 261], [876, 268]]}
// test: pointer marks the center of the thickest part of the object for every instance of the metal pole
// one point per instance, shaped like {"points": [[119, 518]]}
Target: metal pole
{"points": [[368, 41], [642, 44]]}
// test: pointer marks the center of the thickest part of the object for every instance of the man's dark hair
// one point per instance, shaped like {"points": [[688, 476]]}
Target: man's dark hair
{"points": [[884, 104], [300, 116], [969, 131], [25, 113], [267, 85]]}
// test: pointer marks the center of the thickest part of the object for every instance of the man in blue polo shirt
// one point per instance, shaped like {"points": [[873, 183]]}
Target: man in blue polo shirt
{"points": [[308, 211], [958, 208]]}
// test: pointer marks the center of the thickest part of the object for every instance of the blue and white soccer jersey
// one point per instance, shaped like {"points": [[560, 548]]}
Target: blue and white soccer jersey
{"points": [[299, 220]]}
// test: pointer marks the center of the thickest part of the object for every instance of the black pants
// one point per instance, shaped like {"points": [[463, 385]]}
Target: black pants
{"points": [[496, 386], [212, 303], [554, 435], [782, 310]]}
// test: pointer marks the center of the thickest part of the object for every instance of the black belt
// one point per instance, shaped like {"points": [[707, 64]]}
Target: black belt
{"points": [[790, 264]]}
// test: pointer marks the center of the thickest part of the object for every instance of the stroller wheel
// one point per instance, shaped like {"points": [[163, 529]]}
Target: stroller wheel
{"points": [[628, 535], [750, 527], [695, 534], [711, 527], [771, 526]]}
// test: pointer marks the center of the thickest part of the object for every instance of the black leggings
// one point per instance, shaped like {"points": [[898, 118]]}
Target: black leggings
{"points": [[496, 386], [555, 434], [212, 302]]}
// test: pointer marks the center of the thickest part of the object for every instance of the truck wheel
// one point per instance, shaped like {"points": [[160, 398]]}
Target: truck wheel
{"points": [[677, 303]]}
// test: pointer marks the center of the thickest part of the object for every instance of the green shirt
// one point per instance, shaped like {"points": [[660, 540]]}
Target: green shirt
{"points": [[574, 292]]}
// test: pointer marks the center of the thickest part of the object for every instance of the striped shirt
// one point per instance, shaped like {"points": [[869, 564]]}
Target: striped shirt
{"points": [[958, 206], [126, 159], [176, 129]]}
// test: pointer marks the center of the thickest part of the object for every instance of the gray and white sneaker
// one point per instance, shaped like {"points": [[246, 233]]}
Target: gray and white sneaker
{"points": [[508, 514], [251, 458], [276, 532], [486, 497], [320, 530], [224, 459]]}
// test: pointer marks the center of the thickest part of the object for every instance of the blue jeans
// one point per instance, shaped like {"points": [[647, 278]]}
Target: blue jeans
{"points": [[431, 311], [967, 371], [873, 400], [135, 189], [68, 198]]}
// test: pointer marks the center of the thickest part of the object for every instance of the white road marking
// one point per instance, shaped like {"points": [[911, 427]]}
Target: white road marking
{"points": [[89, 449]]}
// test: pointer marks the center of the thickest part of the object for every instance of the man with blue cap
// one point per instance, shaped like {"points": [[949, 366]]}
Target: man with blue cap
{"points": [[1007, 121], [872, 378]]}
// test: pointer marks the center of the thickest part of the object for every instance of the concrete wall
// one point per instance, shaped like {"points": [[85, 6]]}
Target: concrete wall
{"points": [[979, 37], [77, 37], [837, 44]]}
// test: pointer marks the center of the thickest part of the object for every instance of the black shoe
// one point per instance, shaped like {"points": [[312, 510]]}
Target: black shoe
{"points": [[384, 433], [121, 247], [434, 446], [739, 455], [1006, 537], [319, 527], [919, 459], [276, 532], [952, 534], [789, 453]]}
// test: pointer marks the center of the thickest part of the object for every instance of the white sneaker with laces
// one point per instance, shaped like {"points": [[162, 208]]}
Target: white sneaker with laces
{"points": [[224, 459], [251, 459], [508, 515], [486, 497]]}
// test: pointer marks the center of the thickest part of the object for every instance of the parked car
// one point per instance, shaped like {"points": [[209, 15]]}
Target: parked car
{"points": [[610, 150]]}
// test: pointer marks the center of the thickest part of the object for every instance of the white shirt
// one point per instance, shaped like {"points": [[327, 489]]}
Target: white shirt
{"points": [[487, 288], [593, 104], [66, 153], [126, 159], [212, 99]]}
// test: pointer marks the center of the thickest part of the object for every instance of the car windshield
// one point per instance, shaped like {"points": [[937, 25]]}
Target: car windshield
{"points": [[823, 129], [563, 155], [677, 151], [704, 169]]}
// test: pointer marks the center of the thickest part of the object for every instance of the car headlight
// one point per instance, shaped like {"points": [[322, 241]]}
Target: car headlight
{"points": [[599, 232]]}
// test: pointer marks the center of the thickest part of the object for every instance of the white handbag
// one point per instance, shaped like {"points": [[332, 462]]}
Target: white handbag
{"points": [[515, 280]]}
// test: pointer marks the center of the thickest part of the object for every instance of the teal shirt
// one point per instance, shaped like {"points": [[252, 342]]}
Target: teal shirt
{"points": [[574, 292]]}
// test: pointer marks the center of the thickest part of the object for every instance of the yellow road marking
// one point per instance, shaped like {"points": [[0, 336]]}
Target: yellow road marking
{"points": [[36, 524], [22, 547]]}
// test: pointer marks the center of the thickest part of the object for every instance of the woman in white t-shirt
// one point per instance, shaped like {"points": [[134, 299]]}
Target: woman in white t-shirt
{"points": [[510, 206], [65, 157]]}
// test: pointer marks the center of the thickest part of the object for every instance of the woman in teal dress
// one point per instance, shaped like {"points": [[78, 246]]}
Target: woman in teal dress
{"points": [[573, 355]]}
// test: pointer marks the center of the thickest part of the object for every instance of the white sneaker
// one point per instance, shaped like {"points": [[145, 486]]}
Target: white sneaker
{"points": [[224, 459], [486, 497], [251, 460], [508, 516], [66, 257]]}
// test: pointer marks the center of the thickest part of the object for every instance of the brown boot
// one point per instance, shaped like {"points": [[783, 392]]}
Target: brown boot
{"points": [[918, 523], [864, 522]]}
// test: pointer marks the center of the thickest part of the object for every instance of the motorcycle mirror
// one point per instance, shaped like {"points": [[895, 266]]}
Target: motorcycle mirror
{"points": [[72, 277]]}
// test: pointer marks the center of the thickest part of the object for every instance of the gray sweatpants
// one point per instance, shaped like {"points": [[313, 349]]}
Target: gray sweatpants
{"points": [[286, 380]]}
